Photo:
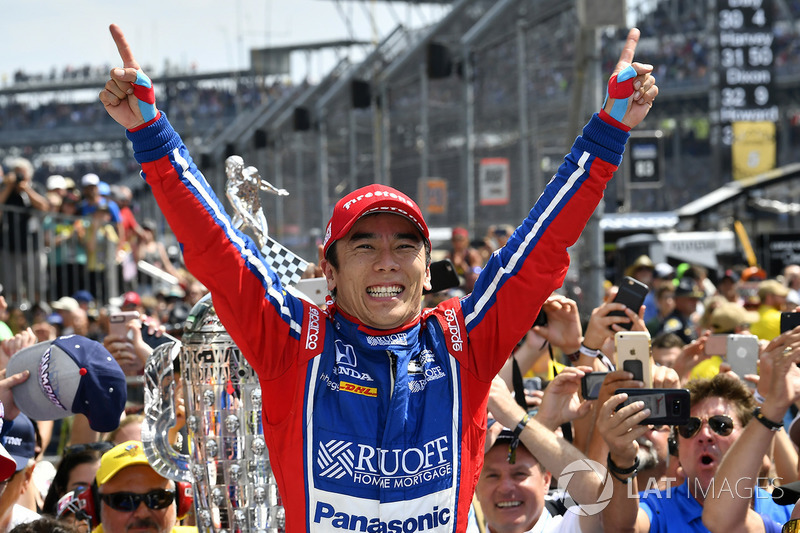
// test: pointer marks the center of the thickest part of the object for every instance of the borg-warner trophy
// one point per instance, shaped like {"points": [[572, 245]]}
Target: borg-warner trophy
{"points": [[228, 462]]}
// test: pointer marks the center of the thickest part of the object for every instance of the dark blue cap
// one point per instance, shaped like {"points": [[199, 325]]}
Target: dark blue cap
{"points": [[20, 441], [70, 374], [83, 296]]}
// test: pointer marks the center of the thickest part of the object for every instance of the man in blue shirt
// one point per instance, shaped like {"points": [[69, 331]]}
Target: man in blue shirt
{"points": [[721, 407]]}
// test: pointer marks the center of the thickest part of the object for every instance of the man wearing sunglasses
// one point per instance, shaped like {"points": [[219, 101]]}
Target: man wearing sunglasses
{"points": [[721, 408], [133, 496]]}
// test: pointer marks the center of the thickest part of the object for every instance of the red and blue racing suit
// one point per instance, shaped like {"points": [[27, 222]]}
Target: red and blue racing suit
{"points": [[376, 430]]}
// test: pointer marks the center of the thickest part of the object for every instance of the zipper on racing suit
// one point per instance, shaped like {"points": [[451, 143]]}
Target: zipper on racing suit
{"points": [[393, 370]]}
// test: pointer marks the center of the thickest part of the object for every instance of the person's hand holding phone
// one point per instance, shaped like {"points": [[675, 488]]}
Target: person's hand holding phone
{"points": [[620, 428], [618, 379], [124, 342], [561, 402], [563, 327], [784, 389], [602, 325]]}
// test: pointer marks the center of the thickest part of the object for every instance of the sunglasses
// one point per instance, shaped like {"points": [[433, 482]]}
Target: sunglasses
{"points": [[719, 424], [129, 501], [101, 446]]}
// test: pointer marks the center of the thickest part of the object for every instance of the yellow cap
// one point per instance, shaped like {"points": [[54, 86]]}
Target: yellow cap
{"points": [[120, 456]]}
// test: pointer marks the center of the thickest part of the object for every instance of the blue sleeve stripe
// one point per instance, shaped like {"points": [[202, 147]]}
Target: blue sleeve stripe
{"points": [[524, 248], [254, 264]]}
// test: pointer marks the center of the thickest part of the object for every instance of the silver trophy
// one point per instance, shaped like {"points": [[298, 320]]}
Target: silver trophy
{"points": [[228, 463]]}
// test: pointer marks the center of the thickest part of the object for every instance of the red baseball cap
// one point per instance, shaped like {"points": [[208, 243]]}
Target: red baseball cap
{"points": [[370, 200], [131, 298]]}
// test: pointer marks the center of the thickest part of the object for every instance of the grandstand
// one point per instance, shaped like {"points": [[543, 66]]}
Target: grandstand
{"points": [[470, 114]]}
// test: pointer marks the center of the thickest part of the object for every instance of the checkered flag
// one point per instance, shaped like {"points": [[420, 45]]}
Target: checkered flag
{"points": [[283, 262]]}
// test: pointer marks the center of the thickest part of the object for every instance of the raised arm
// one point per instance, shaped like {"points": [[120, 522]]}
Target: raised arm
{"points": [[246, 291], [632, 87], [731, 511], [128, 96], [534, 261]]}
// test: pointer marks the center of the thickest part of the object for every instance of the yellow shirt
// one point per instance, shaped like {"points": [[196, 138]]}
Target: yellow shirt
{"points": [[769, 324], [706, 369], [553, 368]]}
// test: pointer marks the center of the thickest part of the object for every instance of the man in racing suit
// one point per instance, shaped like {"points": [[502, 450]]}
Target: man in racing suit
{"points": [[374, 410]]}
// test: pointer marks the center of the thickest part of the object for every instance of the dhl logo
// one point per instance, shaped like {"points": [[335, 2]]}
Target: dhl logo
{"points": [[372, 392]]}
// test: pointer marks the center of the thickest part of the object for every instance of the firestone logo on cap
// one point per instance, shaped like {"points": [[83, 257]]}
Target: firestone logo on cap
{"points": [[369, 200], [390, 194]]}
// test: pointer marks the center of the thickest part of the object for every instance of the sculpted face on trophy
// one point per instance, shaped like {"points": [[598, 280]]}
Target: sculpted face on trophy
{"points": [[242, 190]]}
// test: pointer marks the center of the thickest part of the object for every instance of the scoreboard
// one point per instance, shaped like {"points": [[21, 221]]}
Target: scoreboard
{"points": [[745, 48]]}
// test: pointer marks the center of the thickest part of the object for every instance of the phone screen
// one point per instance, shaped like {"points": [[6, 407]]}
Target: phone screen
{"points": [[591, 383]]}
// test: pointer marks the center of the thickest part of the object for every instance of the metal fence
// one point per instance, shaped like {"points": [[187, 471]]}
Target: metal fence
{"points": [[44, 256], [469, 116]]}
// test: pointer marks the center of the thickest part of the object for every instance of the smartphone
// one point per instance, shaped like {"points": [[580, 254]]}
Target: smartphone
{"points": [[443, 276], [717, 344], [541, 318], [315, 288], [633, 355], [667, 406], [118, 323], [591, 383], [742, 355], [789, 320], [154, 340], [631, 293]]}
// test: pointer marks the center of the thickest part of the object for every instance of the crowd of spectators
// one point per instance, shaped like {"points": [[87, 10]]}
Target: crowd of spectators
{"points": [[687, 306], [212, 99], [83, 239]]}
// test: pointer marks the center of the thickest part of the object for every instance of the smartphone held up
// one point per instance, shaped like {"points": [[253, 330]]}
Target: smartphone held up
{"points": [[631, 293], [667, 406], [633, 355]]}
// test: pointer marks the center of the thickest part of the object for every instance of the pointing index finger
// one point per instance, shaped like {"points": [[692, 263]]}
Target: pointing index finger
{"points": [[626, 55], [123, 47]]}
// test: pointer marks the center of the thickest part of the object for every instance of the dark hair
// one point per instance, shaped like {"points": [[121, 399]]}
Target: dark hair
{"points": [[45, 524], [728, 388], [58, 487], [667, 340]]}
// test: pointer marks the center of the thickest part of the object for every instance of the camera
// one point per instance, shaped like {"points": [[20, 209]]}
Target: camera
{"points": [[541, 319]]}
